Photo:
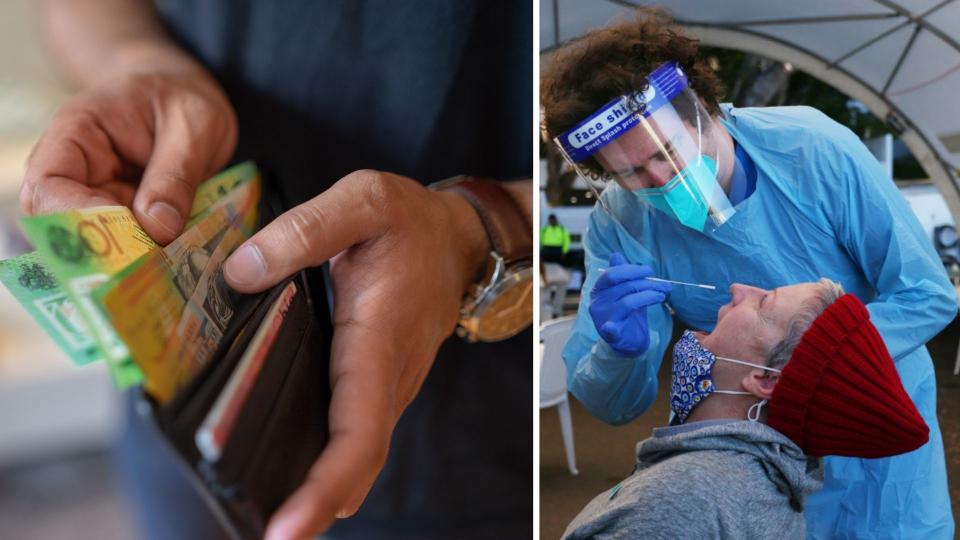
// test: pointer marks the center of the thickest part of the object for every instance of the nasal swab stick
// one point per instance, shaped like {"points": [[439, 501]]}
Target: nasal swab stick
{"points": [[701, 285]]}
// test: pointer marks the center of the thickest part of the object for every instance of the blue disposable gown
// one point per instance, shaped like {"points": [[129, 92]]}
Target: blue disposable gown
{"points": [[822, 207]]}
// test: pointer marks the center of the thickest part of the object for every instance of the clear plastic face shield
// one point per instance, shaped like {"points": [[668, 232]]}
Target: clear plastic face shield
{"points": [[662, 146]]}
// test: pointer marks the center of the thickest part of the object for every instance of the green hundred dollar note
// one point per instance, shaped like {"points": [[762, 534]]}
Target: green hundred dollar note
{"points": [[83, 249], [31, 283]]}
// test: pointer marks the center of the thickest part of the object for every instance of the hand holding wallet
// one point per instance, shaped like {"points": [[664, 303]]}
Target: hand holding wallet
{"points": [[280, 424]]}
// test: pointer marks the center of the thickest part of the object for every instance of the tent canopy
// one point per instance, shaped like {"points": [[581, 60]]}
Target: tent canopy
{"points": [[901, 58]]}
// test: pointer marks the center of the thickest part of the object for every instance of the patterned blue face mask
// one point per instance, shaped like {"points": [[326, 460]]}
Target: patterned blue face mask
{"points": [[691, 377]]}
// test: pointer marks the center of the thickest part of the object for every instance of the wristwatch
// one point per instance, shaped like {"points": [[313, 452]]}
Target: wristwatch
{"points": [[501, 304]]}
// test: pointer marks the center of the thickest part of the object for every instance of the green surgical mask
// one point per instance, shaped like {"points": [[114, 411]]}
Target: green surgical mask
{"points": [[686, 196]]}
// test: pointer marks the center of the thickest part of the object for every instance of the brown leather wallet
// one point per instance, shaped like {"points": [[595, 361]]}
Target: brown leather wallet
{"points": [[281, 428]]}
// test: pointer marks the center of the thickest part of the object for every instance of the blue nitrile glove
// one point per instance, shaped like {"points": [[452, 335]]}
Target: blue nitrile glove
{"points": [[618, 305]]}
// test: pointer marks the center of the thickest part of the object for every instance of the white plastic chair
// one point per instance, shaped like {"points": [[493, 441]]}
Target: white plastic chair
{"points": [[553, 380], [554, 288]]}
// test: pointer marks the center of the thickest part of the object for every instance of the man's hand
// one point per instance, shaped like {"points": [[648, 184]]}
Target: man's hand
{"points": [[402, 257], [143, 140]]}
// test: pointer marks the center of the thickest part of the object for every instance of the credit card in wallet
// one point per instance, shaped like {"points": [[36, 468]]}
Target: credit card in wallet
{"points": [[219, 422]]}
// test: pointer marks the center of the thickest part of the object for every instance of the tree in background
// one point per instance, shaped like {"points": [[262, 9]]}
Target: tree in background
{"points": [[755, 81]]}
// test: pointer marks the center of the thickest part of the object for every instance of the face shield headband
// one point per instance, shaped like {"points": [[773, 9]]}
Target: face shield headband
{"points": [[660, 145]]}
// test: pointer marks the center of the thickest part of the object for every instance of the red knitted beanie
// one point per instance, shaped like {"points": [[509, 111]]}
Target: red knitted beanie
{"points": [[840, 394]]}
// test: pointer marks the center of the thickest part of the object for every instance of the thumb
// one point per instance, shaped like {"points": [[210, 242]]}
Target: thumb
{"points": [[306, 236], [165, 195], [610, 331], [617, 258]]}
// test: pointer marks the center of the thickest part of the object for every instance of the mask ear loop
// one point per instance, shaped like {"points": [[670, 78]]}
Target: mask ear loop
{"points": [[742, 363], [753, 413], [755, 408]]}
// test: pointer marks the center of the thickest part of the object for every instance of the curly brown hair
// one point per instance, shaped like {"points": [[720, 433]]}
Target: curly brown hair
{"points": [[615, 60]]}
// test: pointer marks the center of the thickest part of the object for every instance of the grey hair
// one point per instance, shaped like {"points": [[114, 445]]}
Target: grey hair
{"points": [[827, 293]]}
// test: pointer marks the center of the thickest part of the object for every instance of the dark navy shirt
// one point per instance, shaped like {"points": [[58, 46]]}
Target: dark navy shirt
{"points": [[427, 89]]}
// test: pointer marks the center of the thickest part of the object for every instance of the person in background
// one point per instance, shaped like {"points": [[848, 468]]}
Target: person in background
{"points": [[554, 241]]}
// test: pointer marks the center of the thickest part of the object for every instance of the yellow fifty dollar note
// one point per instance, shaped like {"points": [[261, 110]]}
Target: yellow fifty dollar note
{"points": [[144, 304]]}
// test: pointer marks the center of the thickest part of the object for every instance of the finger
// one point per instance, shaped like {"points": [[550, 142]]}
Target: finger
{"points": [[610, 331], [634, 286], [306, 236], [636, 301], [626, 272], [58, 194], [177, 165], [362, 416], [617, 258], [72, 156]]}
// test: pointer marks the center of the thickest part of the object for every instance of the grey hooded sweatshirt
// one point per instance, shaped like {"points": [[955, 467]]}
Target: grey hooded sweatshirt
{"points": [[712, 479]]}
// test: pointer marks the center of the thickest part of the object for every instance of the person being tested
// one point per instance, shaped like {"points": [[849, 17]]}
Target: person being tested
{"points": [[781, 381]]}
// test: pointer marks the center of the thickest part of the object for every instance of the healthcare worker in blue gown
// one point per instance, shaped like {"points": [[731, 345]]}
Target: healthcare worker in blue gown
{"points": [[763, 196]]}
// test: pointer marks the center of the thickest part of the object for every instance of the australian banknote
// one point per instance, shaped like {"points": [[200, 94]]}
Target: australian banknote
{"points": [[31, 283], [80, 251], [170, 307]]}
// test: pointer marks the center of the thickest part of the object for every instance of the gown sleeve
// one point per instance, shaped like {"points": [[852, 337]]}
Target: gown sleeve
{"points": [[612, 387]]}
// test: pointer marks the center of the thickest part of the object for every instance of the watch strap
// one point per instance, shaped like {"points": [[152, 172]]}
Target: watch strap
{"points": [[510, 234]]}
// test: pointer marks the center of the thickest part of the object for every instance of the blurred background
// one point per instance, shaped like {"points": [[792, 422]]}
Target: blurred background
{"points": [[888, 70], [57, 422]]}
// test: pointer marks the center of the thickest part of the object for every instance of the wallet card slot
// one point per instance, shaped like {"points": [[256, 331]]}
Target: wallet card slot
{"points": [[183, 414], [283, 427], [259, 404], [297, 429], [255, 476]]}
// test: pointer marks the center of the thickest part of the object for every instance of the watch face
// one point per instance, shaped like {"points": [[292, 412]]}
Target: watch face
{"points": [[507, 308]]}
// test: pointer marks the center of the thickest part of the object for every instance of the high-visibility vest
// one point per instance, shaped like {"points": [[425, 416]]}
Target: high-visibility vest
{"points": [[555, 236]]}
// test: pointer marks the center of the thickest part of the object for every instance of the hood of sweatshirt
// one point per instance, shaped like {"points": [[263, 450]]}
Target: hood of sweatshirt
{"points": [[793, 472]]}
